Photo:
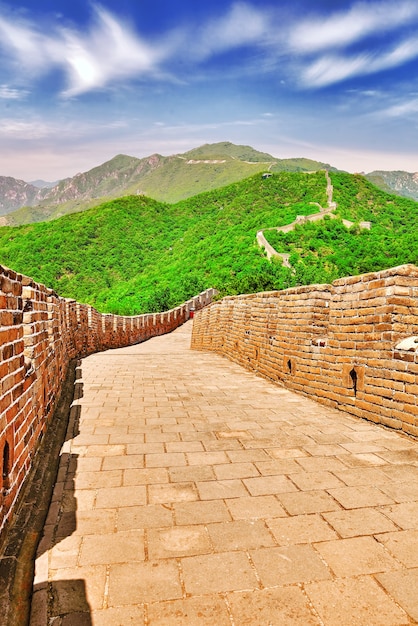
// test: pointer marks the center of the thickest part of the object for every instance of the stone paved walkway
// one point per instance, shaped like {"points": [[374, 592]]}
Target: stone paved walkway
{"points": [[192, 492]]}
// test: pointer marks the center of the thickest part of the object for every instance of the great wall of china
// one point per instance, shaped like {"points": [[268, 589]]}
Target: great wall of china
{"points": [[351, 345], [303, 219], [40, 334]]}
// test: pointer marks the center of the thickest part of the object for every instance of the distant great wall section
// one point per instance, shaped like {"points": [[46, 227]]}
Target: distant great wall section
{"points": [[40, 334], [352, 345], [304, 219]]}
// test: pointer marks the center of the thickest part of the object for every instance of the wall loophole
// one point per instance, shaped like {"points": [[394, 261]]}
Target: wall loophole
{"points": [[6, 467], [354, 378]]}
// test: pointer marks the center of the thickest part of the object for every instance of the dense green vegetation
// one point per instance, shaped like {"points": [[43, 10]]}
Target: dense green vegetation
{"points": [[326, 250], [135, 254]]}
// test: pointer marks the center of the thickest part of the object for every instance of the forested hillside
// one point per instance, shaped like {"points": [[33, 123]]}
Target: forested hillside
{"points": [[138, 255], [135, 254], [323, 251]]}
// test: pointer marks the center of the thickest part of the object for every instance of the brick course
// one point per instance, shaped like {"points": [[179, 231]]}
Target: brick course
{"points": [[39, 334], [335, 343]]}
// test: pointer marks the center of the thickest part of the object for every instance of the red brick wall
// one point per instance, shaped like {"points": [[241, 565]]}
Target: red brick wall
{"points": [[39, 334], [335, 343]]}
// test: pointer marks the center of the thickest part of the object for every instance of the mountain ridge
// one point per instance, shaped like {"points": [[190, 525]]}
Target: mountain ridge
{"points": [[163, 178], [396, 181], [166, 179]]}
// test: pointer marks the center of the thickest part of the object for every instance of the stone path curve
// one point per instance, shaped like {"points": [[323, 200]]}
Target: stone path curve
{"points": [[192, 492]]}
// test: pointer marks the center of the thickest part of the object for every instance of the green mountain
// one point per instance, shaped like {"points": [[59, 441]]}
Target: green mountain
{"points": [[168, 179], [222, 149], [136, 254], [83, 191], [300, 165], [323, 251], [399, 182]]}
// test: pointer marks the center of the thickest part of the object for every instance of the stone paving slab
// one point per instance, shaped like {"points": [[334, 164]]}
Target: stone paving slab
{"points": [[192, 492]]}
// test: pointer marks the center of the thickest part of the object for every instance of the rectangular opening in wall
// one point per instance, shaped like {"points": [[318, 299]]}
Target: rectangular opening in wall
{"points": [[6, 467], [289, 365], [28, 331], [353, 378]]}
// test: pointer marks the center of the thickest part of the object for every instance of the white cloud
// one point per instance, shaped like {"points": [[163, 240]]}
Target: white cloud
{"points": [[371, 93], [366, 93], [318, 42], [242, 25], [109, 51], [20, 129], [24, 44], [344, 28], [402, 53], [36, 128], [8, 93], [402, 109], [193, 128], [331, 69]]}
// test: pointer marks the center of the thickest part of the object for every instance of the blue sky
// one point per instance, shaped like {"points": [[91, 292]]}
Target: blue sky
{"points": [[81, 81]]}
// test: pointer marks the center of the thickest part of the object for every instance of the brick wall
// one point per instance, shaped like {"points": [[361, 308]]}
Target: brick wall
{"points": [[335, 343], [39, 334]]}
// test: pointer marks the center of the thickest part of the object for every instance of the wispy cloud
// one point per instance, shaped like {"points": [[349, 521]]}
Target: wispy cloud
{"points": [[369, 93], [192, 128], [23, 45], [110, 50], [242, 25], [26, 130], [323, 46], [313, 52], [8, 93], [402, 109], [347, 27], [35, 128], [331, 69]]}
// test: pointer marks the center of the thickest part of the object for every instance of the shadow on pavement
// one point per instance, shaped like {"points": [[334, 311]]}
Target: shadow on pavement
{"points": [[62, 602]]}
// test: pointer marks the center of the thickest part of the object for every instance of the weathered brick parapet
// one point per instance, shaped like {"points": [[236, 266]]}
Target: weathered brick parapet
{"points": [[39, 334], [338, 343]]}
